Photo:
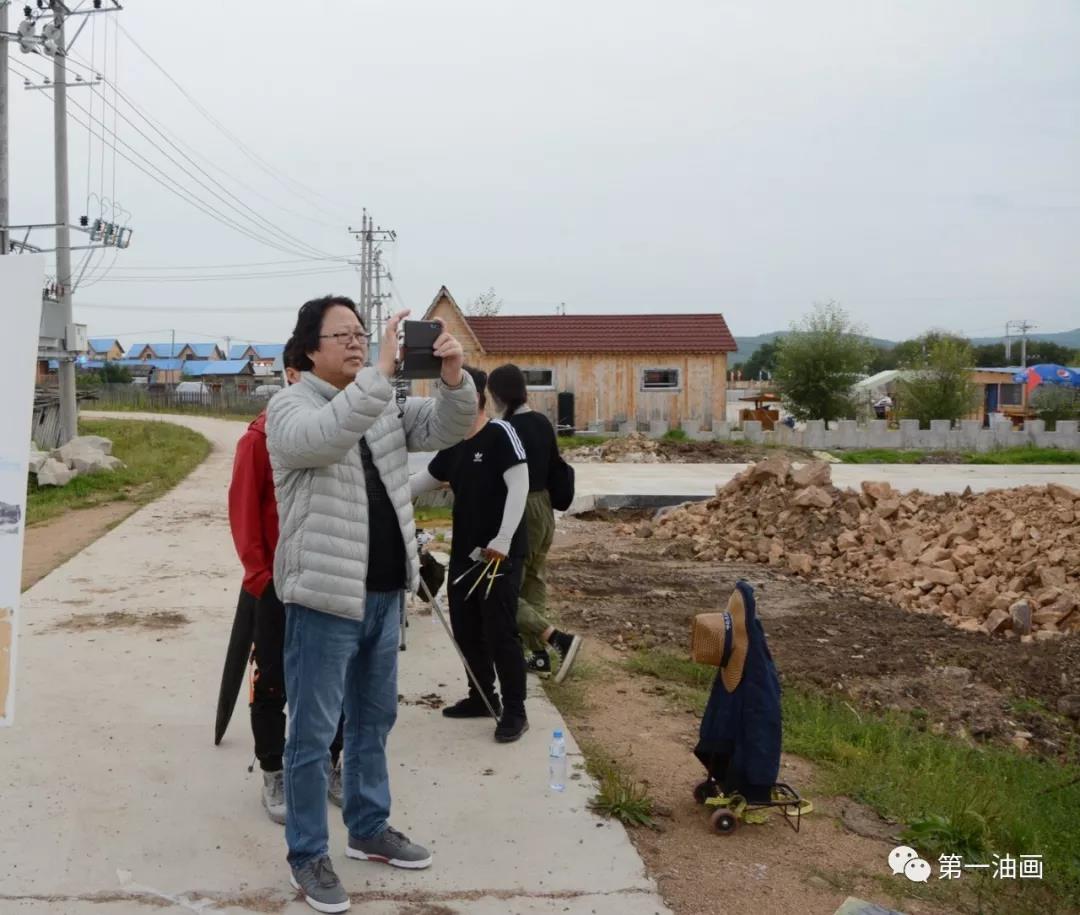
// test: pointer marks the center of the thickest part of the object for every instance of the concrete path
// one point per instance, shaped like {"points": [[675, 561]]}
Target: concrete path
{"points": [[113, 798], [696, 480]]}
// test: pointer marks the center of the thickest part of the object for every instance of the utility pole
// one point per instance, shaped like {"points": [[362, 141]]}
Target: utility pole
{"points": [[1022, 328], [371, 238], [52, 42], [69, 410]]}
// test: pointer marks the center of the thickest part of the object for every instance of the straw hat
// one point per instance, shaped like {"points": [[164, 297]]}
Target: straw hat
{"points": [[736, 639]]}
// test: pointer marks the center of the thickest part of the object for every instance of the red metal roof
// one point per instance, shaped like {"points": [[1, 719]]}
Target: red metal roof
{"points": [[681, 333]]}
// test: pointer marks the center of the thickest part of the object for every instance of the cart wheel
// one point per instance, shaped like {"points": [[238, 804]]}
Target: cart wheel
{"points": [[724, 821], [705, 790]]}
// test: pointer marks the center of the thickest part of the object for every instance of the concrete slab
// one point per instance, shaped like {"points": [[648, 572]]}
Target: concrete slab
{"points": [[701, 479], [110, 785]]}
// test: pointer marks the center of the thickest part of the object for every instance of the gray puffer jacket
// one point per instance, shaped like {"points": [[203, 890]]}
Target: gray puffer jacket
{"points": [[313, 433]]}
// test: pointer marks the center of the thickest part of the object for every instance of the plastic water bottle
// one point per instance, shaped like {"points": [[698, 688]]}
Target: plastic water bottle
{"points": [[557, 762]]}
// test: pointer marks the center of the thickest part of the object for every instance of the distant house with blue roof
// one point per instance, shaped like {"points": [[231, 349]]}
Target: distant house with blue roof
{"points": [[233, 374], [104, 349], [262, 356], [175, 351]]}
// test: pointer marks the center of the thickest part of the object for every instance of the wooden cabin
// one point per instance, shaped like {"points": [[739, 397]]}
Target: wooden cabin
{"points": [[601, 371]]}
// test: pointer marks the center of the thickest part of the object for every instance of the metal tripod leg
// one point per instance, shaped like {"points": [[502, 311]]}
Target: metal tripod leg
{"points": [[437, 610]]}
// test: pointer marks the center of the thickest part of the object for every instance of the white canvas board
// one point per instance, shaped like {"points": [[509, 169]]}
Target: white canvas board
{"points": [[22, 278]]}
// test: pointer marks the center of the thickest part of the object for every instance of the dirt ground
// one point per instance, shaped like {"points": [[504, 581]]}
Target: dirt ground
{"points": [[52, 543], [642, 593], [624, 593]]}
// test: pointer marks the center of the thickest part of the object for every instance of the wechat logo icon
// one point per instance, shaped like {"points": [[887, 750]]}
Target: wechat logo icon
{"points": [[905, 860]]}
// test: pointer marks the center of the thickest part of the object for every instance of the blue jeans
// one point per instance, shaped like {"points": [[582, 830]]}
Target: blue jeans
{"points": [[334, 664]]}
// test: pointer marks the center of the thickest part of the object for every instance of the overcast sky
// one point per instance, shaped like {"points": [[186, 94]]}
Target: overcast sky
{"points": [[916, 161]]}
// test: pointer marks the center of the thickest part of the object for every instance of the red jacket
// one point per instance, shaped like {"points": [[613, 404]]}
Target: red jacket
{"points": [[253, 509]]}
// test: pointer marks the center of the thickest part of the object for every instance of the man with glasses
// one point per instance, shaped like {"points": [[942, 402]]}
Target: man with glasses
{"points": [[338, 445]]}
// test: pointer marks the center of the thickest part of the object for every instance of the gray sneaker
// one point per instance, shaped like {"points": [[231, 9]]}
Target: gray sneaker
{"points": [[333, 790], [273, 795], [320, 885], [390, 847]]}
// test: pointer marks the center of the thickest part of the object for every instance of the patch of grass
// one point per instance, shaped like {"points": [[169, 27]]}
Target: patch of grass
{"points": [[975, 800], [1028, 455], [676, 435], [880, 456], [620, 796], [571, 697], [1024, 455], [946, 791], [157, 455], [581, 441]]}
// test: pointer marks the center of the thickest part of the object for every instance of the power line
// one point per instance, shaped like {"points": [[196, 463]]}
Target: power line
{"points": [[304, 191], [213, 309], [222, 277], [256, 218], [189, 197], [303, 260]]}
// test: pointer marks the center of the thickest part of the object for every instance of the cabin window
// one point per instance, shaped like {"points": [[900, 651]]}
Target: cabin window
{"points": [[659, 379], [1011, 395], [539, 379]]}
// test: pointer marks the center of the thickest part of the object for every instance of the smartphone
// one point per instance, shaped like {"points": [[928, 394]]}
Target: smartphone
{"points": [[417, 343]]}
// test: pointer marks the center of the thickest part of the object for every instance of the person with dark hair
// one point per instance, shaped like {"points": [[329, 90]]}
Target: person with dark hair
{"points": [[338, 446], [253, 520], [510, 398], [490, 480]]}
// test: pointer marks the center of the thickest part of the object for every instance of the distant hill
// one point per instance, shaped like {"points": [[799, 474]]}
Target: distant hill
{"points": [[749, 345], [1069, 338]]}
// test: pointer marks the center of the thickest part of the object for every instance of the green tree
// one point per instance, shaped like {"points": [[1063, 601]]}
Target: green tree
{"points": [[1053, 402], [992, 355], [939, 385], [819, 361], [762, 363], [111, 373]]}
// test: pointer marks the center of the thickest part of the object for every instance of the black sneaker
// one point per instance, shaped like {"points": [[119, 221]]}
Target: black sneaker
{"points": [[472, 707], [539, 663], [511, 727], [566, 647]]}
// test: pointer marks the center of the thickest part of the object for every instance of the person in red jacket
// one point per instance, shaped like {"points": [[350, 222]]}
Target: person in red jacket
{"points": [[253, 519]]}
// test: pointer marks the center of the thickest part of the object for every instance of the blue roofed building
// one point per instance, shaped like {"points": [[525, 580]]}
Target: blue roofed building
{"points": [[262, 356], [223, 374], [104, 348]]}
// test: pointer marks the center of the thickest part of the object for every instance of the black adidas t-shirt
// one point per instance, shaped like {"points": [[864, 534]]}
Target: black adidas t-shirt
{"points": [[474, 469], [541, 447]]}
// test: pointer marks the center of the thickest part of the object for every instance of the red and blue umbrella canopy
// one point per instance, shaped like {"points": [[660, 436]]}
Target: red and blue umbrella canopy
{"points": [[1048, 374]]}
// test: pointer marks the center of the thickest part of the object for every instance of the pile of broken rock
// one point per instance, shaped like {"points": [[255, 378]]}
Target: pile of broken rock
{"points": [[83, 454], [1005, 561]]}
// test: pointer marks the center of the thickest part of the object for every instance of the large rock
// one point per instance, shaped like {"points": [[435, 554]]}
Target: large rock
{"points": [[816, 473], [774, 467], [37, 459], [54, 473], [1062, 492], [89, 461], [801, 563], [1052, 577], [997, 621], [81, 446], [878, 492], [813, 497]]}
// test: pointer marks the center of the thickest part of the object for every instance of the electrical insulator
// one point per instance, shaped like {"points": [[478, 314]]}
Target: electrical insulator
{"points": [[50, 38], [27, 38]]}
